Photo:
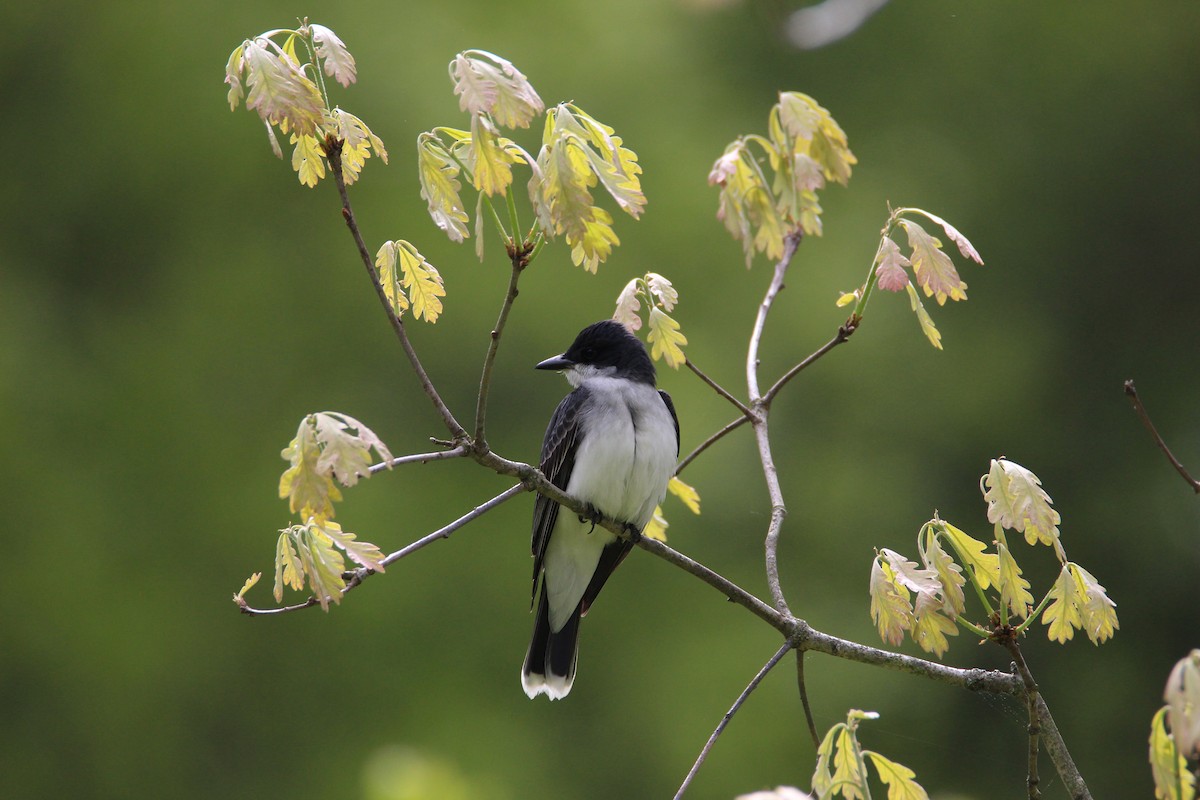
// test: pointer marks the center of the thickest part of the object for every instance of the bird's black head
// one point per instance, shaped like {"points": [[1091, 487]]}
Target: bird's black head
{"points": [[605, 348]]}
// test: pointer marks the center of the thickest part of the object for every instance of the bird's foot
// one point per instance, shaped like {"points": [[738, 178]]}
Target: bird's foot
{"points": [[592, 515], [633, 532]]}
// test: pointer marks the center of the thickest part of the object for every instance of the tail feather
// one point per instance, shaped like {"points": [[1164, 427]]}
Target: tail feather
{"points": [[550, 663]]}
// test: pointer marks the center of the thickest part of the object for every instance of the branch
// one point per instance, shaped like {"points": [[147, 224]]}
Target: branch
{"points": [[418, 458], [1057, 748], [355, 577], [844, 333], [737, 423], [746, 412], [1131, 390], [333, 151], [1031, 700], [519, 260], [750, 687], [790, 243]]}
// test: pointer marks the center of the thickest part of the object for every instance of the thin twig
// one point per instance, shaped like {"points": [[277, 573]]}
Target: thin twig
{"points": [[1068, 772], [1131, 390], [418, 458], [355, 577], [333, 151], [802, 687], [844, 333], [1031, 698], [734, 425], [746, 412], [790, 243], [750, 687], [489, 361]]}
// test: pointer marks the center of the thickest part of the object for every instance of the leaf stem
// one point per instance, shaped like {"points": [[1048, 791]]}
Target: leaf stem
{"points": [[1132, 392]]}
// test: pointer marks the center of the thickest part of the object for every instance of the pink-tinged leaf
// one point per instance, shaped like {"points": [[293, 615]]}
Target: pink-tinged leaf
{"points": [[964, 245], [934, 270], [279, 90], [1182, 696], [488, 84], [339, 64], [662, 290], [891, 610], [890, 272], [628, 306]]}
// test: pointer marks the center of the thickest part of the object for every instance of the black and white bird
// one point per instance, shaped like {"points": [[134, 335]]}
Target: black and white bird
{"points": [[612, 443]]}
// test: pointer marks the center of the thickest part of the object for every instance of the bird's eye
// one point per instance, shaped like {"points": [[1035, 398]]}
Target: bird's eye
{"points": [[589, 353]]}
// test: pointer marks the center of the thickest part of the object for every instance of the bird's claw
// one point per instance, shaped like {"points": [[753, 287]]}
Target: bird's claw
{"points": [[592, 515]]}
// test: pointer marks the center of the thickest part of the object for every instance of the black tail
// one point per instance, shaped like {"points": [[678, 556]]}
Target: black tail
{"points": [[550, 663]]}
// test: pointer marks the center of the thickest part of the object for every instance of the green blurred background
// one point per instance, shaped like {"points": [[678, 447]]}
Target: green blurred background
{"points": [[173, 302]]}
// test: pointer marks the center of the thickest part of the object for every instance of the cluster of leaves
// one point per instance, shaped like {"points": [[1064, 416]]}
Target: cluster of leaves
{"points": [[409, 281], [805, 148], [578, 153], [290, 94], [1175, 733], [330, 449], [931, 267], [665, 338], [1015, 502]]}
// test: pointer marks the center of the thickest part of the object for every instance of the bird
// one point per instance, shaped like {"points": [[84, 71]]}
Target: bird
{"points": [[612, 443]]}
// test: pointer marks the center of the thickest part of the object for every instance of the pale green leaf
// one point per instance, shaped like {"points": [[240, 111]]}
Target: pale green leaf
{"points": [[345, 446], [822, 780], [656, 528], [233, 77], [308, 159], [927, 327], [323, 565], [628, 306], [440, 187], [310, 491], [848, 777], [949, 573], [1017, 502], [288, 569], [1014, 589], [279, 90], [594, 241], [422, 282], [931, 629], [362, 553], [662, 291], [898, 778], [247, 586], [1172, 778], [490, 158], [891, 610], [357, 143], [666, 341], [614, 164], [964, 245], [746, 206], [1066, 601], [972, 553], [1099, 613], [488, 84], [386, 262], [933, 268]]}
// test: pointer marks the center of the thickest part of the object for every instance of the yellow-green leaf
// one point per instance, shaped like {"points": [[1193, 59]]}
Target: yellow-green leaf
{"points": [[933, 268], [593, 244], [1014, 589], [247, 586], [488, 84], [1172, 778], [1017, 502], [233, 77], [972, 553], [1182, 694], [898, 778], [626, 312], [279, 90], [357, 143], [308, 159], [387, 260], [288, 569], [848, 777], [949, 573], [440, 187], [362, 553], [927, 327], [665, 339], [891, 610], [345, 446], [1063, 614], [490, 158], [656, 528], [1099, 613], [310, 491], [689, 496], [931, 629], [323, 565]]}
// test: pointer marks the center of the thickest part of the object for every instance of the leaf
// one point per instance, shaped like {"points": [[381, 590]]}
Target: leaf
{"points": [[422, 282], [488, 84], [927, 327], [964, 246], [247, 586], [898, 778], [1014, 589], [309, 490], [346, 455], [1017, 502], [279, 90], [689, 496], [934, 270], [323, 565], [846, 298], [822, 780], [233, 77], [614, 164], [972, 553], [666, 342], [357, 143], [1099, 613], [890, 274], [626, 312], [818, 135], [440, 187], [891, 610], [656, 528], [386, 261], [489, 158], [339, 64], [1063, 614], [746, 206], [1182, 696], [288, 569], [1172, 778], [662, 290], [922, 582], [949, 573], [362, 553], [848, 777], [931, 629], [308, 159]]}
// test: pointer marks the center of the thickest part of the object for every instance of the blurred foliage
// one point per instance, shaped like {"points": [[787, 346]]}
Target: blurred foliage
{"points": [[170, 292]]}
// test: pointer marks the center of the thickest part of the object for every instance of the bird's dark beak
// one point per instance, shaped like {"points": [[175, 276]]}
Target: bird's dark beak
{"points": [[557, 362]]}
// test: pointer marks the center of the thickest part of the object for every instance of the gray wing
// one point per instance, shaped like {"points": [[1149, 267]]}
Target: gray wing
{"points": [[675, 417], [558, 462]]}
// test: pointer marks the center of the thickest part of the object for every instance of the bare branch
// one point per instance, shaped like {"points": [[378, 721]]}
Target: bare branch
{"points": [[333, 151], [844, 333], [737, 423], [1031, 701], [1131, 390], [1057, 748], [750, 687], [519, 260], [419, 458], [802, 687], [746, 412], [790, 243]]}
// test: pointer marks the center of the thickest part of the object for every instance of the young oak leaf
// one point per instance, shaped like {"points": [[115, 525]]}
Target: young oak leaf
{"points": [[891, 610], [972, 553], [1014, 589], [323, 564], [488, 84], [689, 496], [386, 262], [628, 306], [440, 187], [964, 245], [890, 273], [656, 528], [288, 569], [662, 291], [666, 340], [240, 597], [745, 204], [344, 454], [927, 327], [931, 629], [422, 282], [594, 244], [922, 582], [362, 553], [278, 89], [308, 159], [310, 491], [822, 779], [949, 573], [1172, 778], [339, 64], [615, 165], [1099, 612], [899, 779], [848, 776], [1063, 614], [1182, 695], [490, 157], [357, 143], [934, 270], [1017, 502]]}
